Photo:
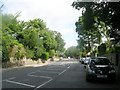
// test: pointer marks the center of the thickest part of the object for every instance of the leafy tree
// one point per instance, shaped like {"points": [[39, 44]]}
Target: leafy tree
{"points": [[98, 20], [18, 51], [5, 48], [45, 56], [1, 33], [60, 43], [49, 41], [51, 53], [31, 39], [36, 24], [30, 54], [72, 52]]}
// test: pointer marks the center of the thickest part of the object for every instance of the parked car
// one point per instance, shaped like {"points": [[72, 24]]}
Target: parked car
{"points": [[101, 68], [86, 61], [82, 60]]}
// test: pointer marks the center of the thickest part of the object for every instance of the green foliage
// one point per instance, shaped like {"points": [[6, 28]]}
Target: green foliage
{"points": [[17, 50], [31, 39], [49, 41], [98, 20], [45, 56], [30, 54], [5, 54], [35, 24], [72, 52], [6, 43], [51, 53], [60, 42]]}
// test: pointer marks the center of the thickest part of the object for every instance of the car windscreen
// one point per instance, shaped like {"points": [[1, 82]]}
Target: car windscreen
{"points": [[102, 61]]}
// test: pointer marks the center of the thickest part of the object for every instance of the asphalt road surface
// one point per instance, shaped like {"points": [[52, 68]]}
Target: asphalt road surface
{"points": [[61, 74]]}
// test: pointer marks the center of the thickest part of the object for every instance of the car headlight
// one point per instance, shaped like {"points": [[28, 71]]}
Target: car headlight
{"points": [[112, 71]]}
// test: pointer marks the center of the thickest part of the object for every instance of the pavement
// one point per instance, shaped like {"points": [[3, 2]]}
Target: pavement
{"points": [[30, 65]]}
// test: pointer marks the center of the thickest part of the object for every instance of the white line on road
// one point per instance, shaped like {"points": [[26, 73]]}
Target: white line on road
{"points": [[11, 78], [8, 79], [48, 72], [43, 84], [19, 83], [62, 72], [39, 76], [42, 71], [68, 67]]}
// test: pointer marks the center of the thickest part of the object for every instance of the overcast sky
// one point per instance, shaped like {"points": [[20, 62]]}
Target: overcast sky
{"points": [[59, 15]]}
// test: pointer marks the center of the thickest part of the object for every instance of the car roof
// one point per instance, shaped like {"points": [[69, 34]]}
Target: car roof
{"points": [[101, 57], [98, 58]]}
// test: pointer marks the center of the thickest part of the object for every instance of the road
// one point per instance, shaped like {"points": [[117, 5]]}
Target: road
{"points": [[61, 74]]}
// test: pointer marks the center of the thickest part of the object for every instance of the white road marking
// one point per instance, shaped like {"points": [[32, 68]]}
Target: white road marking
{"points": [[62, 72], [19, 83], [8, 79], [43, 84], [42, 71], [68, 67], [11, 78], [39, 76], [48, 72]]}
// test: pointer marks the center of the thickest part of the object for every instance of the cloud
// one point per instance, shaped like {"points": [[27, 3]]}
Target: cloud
{"points": [[58, 14]]}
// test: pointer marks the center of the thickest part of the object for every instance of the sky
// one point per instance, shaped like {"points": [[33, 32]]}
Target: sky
{"points": [[59, 15]]}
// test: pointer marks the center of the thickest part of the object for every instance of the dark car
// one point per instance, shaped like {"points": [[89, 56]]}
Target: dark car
{"points": [[100, 68]]}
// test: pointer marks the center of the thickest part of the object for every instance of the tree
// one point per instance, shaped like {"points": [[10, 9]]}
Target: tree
{"points": [[36, 37], [107, 12], [99, 19], [88, 34], [72, 52], [9, 29], [49, 41], [60, 42], [31, 39]]}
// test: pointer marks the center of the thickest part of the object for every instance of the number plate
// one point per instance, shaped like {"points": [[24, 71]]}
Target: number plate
{"points": [[101, 76]]}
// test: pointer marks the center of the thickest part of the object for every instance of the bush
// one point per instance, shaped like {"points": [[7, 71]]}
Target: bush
{"points": [[30, 54], [5, 54], [51, 53], [45, 56]]}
